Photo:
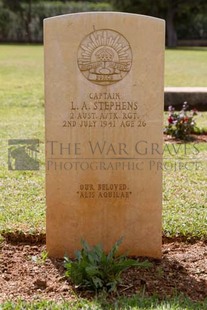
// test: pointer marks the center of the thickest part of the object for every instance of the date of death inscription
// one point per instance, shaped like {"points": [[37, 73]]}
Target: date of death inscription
{"points": [[103, 191], [104, 110]]}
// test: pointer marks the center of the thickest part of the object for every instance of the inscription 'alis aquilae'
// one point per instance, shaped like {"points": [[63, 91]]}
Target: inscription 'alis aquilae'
{"points": [[104, 110]]}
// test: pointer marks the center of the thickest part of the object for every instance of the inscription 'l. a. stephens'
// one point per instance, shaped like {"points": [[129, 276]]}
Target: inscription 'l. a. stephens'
{"points": [[128, 105]]}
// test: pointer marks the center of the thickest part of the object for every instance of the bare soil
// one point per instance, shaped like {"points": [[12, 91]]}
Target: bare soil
{"points": [[192, 138], [26, 274]]}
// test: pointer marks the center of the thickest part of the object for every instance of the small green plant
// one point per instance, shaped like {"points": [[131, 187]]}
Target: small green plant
{"points": [[44, 256], [40, 259], [182, 124], [95, 269]]}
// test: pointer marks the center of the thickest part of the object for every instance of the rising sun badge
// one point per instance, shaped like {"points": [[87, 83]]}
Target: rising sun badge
{"points": [[104, 57]]}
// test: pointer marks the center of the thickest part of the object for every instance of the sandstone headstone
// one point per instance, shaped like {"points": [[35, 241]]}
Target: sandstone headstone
{"points": [[104, 108]]}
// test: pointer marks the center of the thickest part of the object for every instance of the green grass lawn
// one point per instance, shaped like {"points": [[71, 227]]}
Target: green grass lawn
{"points": [[186, 67], [137, 302], [22, 195]]}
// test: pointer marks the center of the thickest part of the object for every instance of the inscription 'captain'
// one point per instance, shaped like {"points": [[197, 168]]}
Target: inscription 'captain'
{"points": [[104, 96]]}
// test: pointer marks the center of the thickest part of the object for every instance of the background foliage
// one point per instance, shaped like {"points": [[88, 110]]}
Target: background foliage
{"points": [[21, 20], [185, 19]]}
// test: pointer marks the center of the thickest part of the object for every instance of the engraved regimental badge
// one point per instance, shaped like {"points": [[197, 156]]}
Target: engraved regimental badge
{"points": [[104, 57]]}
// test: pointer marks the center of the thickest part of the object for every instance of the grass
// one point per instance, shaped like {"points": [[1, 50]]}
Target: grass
{"points": [[184, 190], [21, 76], [186, 67], [22, 195], [137, 302], [22, 201], [183, 67]]}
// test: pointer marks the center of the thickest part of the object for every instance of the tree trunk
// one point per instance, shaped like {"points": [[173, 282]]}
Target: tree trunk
{"points": [[171, 31], [28, 21]]}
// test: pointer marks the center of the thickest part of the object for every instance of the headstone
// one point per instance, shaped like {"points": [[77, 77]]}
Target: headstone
{"points": [[104, 119]]}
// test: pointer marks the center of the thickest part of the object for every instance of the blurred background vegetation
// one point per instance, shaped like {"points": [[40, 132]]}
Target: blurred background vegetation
{"points": [[186, 20]]}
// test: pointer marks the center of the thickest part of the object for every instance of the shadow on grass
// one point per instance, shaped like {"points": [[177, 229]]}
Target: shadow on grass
{"points": [[188, 48]]}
